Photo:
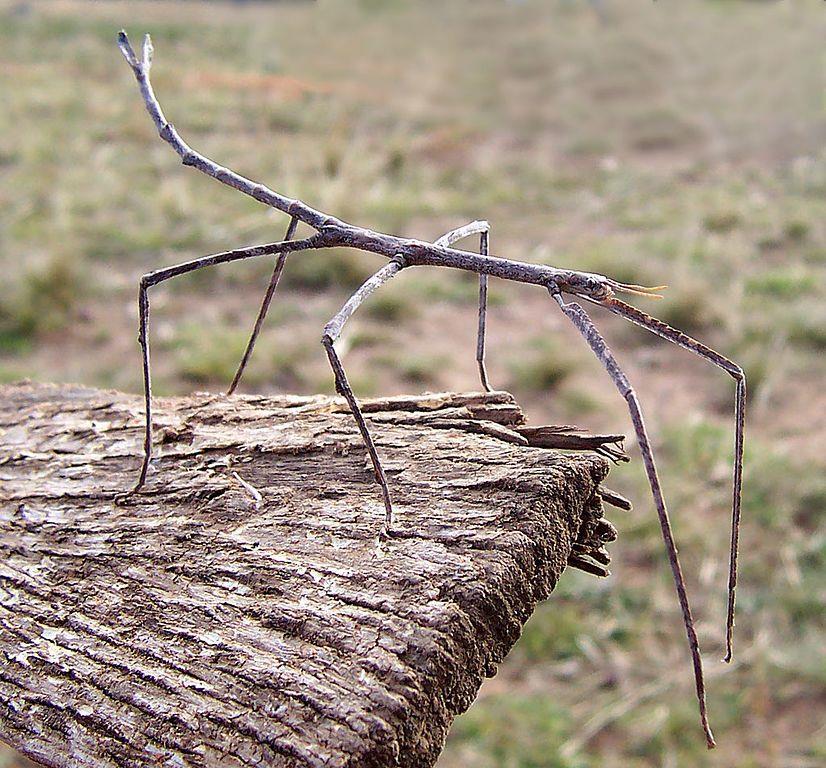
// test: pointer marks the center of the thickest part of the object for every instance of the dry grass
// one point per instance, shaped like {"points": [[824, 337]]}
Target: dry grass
{"points": [[671, 143]]}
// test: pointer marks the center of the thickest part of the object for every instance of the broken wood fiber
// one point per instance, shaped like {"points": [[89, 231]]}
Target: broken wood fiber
{"points": [[243, 610]]}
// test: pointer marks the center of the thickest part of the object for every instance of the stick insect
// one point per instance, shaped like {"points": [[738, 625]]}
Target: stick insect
{"points": [[403, 253]]}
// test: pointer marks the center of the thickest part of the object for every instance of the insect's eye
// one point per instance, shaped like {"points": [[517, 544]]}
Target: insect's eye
{"points": [[597, 288]]}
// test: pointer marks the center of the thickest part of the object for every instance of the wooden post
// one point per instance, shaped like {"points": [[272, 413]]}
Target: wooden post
{"points": [[242, 610]]}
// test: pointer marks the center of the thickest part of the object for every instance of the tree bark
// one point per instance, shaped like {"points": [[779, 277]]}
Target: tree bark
{"points": [[243, 610]]}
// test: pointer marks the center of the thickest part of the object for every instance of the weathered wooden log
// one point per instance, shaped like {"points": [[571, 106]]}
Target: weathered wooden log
{"points": [[243, 609]]}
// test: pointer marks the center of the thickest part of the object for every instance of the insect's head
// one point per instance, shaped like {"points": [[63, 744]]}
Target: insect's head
{"points": [[588, 285], [599, 288]]}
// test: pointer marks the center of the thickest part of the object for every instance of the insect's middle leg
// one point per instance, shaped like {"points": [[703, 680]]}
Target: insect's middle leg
{"points": [[331, 332], [482, 228], [280, 260], [483, 311]]}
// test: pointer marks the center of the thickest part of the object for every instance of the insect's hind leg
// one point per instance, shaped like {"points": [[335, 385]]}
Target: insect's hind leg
{"points": [[579, 317], [143, 340], [160, 276], [278, 268], [331, 332], [482, 228]]}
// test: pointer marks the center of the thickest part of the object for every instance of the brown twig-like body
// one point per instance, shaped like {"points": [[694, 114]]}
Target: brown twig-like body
{"points": [[406, 252]]}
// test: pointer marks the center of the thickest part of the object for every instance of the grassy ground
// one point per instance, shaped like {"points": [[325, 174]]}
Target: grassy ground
{"points": [[667, 143]]}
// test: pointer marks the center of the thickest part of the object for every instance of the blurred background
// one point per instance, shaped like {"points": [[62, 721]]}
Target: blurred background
{"points": [[678, 143]]}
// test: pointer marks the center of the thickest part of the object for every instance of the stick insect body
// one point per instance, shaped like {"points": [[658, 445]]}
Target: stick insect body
{"points": [[405, 252]]}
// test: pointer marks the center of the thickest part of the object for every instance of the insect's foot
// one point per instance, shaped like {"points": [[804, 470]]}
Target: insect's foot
{"points": [[710, 743], [389, 532], [124, 498]]}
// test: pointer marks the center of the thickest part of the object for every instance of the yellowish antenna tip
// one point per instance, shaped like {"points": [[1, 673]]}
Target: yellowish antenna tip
{"points": [[641, 290]]}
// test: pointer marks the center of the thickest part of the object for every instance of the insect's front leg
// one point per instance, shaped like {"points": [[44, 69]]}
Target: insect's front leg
{"points": [[665, 331], [579, 317], [601, 290]]}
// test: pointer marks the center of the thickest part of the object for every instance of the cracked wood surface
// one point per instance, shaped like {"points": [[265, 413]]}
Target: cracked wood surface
{"points": [[242, 611]]}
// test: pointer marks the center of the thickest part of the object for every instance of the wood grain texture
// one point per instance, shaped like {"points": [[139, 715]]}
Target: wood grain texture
{"points": [[242, 611]]}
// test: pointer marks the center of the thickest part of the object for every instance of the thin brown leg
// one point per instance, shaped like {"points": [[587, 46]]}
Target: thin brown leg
{"points": [[589, 331], [483, 311], [331, 332], [668, 333], [280, 260], [160, 276], [143, 340], [482, 228]]}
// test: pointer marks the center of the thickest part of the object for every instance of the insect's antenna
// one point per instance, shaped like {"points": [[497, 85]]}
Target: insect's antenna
{"points": [[650, 292], [681, 339], [579, 317]]}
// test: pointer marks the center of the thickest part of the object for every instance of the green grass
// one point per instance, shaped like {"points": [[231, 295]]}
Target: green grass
{"points": [[782, 283], [541, 364], [39, 301], [414, 370], [391, 306], [722, 221], [808, 329], [515, 732], [329, 270]]}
